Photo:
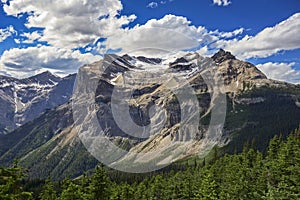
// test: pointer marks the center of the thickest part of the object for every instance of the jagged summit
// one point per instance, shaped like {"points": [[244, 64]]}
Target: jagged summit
{"points": [[21, 100], [149, 60], [238, 74], [44, 78], [222, 55]]}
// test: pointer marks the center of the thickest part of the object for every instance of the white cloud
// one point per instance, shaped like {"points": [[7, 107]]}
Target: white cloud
{"points": [[68, 25], [6, 32], [65, 26], [152, 5], [222, 2], [17, 41], [171, 33], [283, 36], [25, 62], [168, 34], [231, 34], [280, 71], [71, 24], [31, 37], [204, 51]]}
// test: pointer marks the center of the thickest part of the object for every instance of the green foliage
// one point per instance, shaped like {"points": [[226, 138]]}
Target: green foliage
{"points": [[73, 191], [100, 184], [247, 175], [48, 192], [10, 184]]}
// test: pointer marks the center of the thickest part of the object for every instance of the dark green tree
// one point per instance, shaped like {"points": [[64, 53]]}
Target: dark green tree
{"points": [[100, 184], [73, 191], [48, 192], [10, 183]]}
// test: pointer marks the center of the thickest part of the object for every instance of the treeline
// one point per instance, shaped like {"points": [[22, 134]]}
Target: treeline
{"points": [[248, 175]]}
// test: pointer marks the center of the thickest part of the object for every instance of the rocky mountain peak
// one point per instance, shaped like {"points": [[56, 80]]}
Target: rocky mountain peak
{"points": [[24, 99], [179, 60], [149, 60], [222, 55], [44, 78]]}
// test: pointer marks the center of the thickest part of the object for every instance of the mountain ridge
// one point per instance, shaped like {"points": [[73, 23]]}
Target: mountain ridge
{"points": [[256, 109], [25, 99]]}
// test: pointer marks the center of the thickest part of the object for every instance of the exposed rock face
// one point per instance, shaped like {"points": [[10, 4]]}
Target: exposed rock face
{"points": [[137, 104], [139, 95], [238, 75], [222, 55], [24, 99], [149, 60]]}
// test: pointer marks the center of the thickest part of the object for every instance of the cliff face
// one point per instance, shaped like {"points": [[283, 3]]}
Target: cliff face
{"points": [[155, 107], [139, 114], [22, 100]]}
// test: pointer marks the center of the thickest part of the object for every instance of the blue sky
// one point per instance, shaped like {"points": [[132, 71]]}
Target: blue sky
{"points": [[60, 36]]}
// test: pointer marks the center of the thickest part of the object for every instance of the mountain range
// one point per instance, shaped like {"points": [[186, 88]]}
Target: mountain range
{"points": [[22, 100], [52, 133]]}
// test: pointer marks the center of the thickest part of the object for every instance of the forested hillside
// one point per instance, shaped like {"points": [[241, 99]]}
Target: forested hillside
{"points": [[248, 175]]}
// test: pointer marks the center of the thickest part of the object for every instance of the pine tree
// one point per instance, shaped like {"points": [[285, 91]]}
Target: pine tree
{"points": [[141, 191], [72, 191], [100, 184], [208, 187], [49, 192], [127, 192], [10, 187], [157, 187]]}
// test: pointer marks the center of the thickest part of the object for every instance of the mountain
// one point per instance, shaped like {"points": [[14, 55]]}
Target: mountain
{"points": [[118, 93], [22, 100]]}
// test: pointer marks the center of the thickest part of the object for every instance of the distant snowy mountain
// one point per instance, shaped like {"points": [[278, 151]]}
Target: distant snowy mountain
{"points": [[22, 100]]}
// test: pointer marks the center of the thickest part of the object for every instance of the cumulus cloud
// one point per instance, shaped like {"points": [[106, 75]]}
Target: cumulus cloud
{"points": [[65, 26], [204, 52], [6, 32], [171, 33], [234, 33], [222, 2], [271, 40], [31, 37], [280, 71], [152, 5], [17, 41], [28, 61], [71, 24], [68, 25], [168, 34]]}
